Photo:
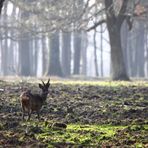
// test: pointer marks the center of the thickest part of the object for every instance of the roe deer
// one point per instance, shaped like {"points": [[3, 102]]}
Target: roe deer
{"points": [[33, 102]]}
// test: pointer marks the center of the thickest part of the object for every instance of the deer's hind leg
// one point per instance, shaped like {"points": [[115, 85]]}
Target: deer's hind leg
{"points": [[29, 114]]}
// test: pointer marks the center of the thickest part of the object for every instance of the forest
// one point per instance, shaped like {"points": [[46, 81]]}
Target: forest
{"points": [[74, 73], [43, 39]]}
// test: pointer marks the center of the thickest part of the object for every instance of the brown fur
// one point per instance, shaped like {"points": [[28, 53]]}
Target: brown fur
{"points": [[33, 102]]}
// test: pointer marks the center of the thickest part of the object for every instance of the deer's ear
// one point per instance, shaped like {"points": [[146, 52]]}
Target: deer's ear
{"points": [[48, 84], [40, 86], [48, 81]]}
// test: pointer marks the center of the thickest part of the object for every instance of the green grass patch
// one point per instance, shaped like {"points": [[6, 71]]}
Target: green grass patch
{"points": [[76, 134], [86, 135]]}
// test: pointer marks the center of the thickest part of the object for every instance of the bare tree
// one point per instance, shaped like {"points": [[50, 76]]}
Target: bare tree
{"points": [[77, 16], [114, 23]]}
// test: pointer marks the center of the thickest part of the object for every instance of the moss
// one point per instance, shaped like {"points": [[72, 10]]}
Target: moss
{"points": [[79, 134]]}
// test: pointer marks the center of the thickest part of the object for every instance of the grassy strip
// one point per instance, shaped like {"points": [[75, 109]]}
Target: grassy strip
{"points": [[88, 135]]}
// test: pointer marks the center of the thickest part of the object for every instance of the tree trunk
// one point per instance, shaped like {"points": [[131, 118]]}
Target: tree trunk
{"points": [[140, 50], [5, 66], [84, 53], [24, 56], [45, 56], [12, 49], [77, 51], [66, 53], [32, 58], [4, 63], [101, 50], [24, 48], [95, 53], [131, 55], [117, 60], [146, 56], [114, 23], [54, 63], [124, 42]]}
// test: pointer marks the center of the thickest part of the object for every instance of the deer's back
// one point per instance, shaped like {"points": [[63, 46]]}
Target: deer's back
{"points": [[31, 101]]}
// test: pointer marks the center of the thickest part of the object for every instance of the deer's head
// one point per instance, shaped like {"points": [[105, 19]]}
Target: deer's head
{"points": [[44, 86]]}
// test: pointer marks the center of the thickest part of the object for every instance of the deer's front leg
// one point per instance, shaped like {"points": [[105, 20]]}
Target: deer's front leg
{"points": [[38, 114], [23, 112]]}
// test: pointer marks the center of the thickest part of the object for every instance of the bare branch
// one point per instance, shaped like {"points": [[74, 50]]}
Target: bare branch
{"points": [[96, 25], [123, 8]]}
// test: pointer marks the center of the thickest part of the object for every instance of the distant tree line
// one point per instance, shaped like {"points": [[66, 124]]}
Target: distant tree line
{"points": [[51, 36]]}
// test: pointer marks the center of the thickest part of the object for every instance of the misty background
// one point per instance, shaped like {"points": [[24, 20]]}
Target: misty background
{"points": [[35, 42]]}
